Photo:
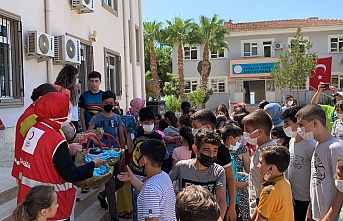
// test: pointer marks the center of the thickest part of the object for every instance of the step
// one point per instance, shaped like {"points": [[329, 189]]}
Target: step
{"points": [[93, 213], [86, 200], [8, 186], [6, 209]]}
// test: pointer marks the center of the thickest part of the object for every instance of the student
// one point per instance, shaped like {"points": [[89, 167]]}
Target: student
{"points": [[207, 119], [171, 131], [337, 128], [274, 110], [299, 170], [279, 136], [288, 102], [156, 199], [90, 101], [257, 126], [339, 185], [223, 110], [145, 132], [311, 125], [203, 170], [232, 135], [112, 124], [196, 203], [40, 204], [184, 152], [276, 196]]}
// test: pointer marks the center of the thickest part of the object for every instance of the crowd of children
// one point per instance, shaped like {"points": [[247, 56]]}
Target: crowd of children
{"points": [[271, 164]]}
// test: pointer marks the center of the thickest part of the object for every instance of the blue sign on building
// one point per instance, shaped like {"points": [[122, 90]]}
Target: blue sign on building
{"points": [[252, 68]]}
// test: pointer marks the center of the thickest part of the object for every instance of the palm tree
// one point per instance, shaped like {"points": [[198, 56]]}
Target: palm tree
{"points": [[211, 34], [178, 33], [151, 37]]}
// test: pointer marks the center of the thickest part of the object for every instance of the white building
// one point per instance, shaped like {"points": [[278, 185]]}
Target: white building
{"points": [[255, 44], [106, 36]]}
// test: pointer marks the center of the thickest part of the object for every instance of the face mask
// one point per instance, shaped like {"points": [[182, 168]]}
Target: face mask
{"points": [[148, 128], [194, 131], [206, 161], [289, 133], [235, 147], [252, 141], [304, 135], [108, 107], [339, 185], [340, 116], [289, 103]]}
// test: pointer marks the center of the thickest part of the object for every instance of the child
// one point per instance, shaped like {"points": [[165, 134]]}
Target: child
{"points": [[337, 128], [112, 124], [196, 203], [257, 126], [279, 136], [184, 152], [276, 196], [156, 200], [312, 125], [339, 184], [40, 204], [232, 135], [145, 132]]}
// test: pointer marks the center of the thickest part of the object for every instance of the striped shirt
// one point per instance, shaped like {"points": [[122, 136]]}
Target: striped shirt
{"points": [[157, 199]]}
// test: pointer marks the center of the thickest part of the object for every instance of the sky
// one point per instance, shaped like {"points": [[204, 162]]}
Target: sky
{"points": [[242, 10]]}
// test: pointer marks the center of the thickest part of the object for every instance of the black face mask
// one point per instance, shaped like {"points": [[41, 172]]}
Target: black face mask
{"points": [[206, 161], [108, 107]]}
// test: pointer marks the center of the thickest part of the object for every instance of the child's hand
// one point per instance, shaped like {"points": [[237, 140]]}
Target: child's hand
{"points": [[125, 176]]}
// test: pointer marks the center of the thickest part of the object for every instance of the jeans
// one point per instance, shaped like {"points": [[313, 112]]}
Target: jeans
{"points": [[134, 203]]}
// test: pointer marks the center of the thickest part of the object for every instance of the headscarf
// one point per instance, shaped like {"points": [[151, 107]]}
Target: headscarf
{"points": [[274, 110], [136, 104], [52, 109]]}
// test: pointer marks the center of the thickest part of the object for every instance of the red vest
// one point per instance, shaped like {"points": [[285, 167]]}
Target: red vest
{"points": [[36, 167]]}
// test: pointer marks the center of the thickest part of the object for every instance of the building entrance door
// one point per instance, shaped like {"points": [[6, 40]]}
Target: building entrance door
{"points": [[254, 91]]}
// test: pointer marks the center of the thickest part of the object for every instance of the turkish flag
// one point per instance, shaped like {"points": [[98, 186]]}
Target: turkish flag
{"points": [[322, 73]]}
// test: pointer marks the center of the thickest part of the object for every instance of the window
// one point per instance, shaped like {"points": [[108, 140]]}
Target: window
{"points": [[190, 53], [111, 6], [218, 85], [238, 86], [336, 44], [337, 80], [302, 45], [270, 85], [250, 49], [190, 85], [11, 61], [218, 54], [137, 45], [87, 64], [257, 48], [113, 72]]}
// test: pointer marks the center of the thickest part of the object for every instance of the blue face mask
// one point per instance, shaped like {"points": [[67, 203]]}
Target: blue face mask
{"points": [[235, 147]]}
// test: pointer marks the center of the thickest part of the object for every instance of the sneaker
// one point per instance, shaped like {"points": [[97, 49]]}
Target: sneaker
{"points": [[114, 219], [103, 203]]}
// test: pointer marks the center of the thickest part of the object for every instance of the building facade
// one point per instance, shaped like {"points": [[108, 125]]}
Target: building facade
{"points": [[37, 38], [242, 73]]}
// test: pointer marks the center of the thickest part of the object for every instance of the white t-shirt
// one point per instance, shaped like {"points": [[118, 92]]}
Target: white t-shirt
{"points": [[255, 179], [157, 199], [323, 167], [299, 169], [74, 113]]}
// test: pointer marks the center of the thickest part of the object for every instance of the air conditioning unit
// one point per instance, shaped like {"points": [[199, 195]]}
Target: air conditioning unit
{"points": [[67, 50], [83, 6], [40, 45], [278, 45]]}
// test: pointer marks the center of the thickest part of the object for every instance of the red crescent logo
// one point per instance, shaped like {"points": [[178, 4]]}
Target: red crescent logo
{"points": [[33, 134]]}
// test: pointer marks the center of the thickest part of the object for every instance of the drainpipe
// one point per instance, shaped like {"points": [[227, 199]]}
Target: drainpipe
{"points": [[126, 54], [49, 64], [133, 50], [141, 47]]}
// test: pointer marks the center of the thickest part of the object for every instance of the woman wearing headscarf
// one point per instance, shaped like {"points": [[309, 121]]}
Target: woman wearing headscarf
{"points": [[274, 110], [45, 157]]}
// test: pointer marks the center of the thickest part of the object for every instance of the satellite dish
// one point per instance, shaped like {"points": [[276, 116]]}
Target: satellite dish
{"points": [[199, 68], [71, 49], [87, 1], [43, 42]]}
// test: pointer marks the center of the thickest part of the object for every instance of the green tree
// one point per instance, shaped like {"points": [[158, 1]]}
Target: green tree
{"points": [[171, 86], [178, 33], [151, 38], [199, 96], [173, 103], [295, 65], [211, 34]]}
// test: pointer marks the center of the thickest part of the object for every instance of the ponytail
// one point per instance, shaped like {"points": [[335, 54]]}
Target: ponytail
{"points": [[21, 214], [186, 133]]}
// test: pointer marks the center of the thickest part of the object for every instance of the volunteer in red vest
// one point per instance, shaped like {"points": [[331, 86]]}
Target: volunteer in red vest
{"points": [[45, 158]]}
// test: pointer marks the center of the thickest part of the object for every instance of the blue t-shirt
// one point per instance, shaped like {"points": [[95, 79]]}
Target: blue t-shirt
{"points": [[235, 176], [109, 124], [92, 103]]}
